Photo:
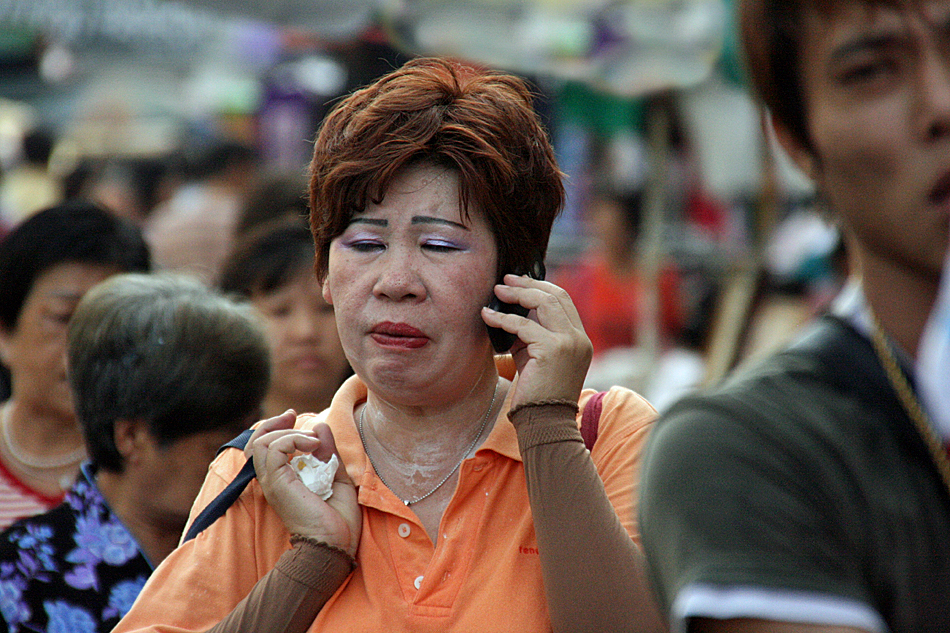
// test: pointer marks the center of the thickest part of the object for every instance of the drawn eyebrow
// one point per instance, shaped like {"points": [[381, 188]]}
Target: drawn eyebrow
{"points": [[372, 221], [425, 219], [416, 219]]}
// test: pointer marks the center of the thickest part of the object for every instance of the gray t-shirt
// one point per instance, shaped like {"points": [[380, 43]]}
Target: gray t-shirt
{"points": [[799, 491]]}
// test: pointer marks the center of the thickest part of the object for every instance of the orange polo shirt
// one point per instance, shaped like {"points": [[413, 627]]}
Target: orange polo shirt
{"points": [[484, 573]]}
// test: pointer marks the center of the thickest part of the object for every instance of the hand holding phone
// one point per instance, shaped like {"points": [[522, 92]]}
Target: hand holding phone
{"points": [[501, 340]]}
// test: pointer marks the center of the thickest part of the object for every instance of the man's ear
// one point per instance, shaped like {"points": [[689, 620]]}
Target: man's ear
{"points": [[132, 439], [802, 156]]}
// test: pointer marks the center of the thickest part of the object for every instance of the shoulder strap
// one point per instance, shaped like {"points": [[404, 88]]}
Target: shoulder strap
{"points": [[226, 498], [590, 420]]}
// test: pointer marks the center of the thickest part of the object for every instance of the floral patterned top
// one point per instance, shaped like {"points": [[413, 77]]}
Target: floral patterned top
{"points": [[74, 569]]}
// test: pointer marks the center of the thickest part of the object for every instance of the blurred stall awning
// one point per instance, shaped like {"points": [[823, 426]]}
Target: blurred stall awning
{"points": [[330, 19], [630, 47]]}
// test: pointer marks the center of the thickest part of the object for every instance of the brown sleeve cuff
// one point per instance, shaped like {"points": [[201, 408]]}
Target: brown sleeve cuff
{"points": [[546, 423], [315, 565]]}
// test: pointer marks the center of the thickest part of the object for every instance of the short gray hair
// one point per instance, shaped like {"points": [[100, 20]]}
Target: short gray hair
{"points": [[167, 350]]}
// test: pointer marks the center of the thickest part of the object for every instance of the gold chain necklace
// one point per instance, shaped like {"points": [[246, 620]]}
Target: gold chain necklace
{"points": [[911, 404], [481, 429]]}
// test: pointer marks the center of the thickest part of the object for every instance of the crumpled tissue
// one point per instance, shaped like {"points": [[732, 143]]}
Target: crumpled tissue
{"points": [[316, 475]]}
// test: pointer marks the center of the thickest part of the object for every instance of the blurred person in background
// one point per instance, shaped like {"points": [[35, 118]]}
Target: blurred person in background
{"points": [[275, 196], [812, 493], [607, 284], [30, 186], [46, 266], [163, 372], [129, 187], [193, 231], [466, 499], [272, 267]]}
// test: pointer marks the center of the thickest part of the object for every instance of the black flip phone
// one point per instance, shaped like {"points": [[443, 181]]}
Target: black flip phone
{"points": [[501, 341]]}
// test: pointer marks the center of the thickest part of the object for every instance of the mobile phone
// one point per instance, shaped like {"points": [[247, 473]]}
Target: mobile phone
{"points": [[502, 341]]}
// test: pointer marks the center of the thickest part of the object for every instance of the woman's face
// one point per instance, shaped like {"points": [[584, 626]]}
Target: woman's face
{"points": [[876, 83], [408, 278], [35, 351], [307, 360]]}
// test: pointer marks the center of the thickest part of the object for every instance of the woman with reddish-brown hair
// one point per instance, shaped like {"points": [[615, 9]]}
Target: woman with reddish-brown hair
{"points": [[466, 499]]}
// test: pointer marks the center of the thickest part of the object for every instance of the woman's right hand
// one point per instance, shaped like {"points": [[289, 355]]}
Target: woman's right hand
{"points": [[336, 521]]}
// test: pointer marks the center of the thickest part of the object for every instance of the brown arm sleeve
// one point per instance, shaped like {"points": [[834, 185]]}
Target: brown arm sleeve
{"points": [[594, 574], [289, 597]]}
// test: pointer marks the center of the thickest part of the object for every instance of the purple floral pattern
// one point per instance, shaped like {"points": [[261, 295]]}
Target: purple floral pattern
{"points": [[74, 569]]}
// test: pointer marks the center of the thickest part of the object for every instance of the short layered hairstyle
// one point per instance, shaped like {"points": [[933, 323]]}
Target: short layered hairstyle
{"points": [[166, 350], [477, 122]]}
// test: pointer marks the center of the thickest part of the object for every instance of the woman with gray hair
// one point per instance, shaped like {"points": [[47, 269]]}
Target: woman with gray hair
{"points": [[163, 372]]}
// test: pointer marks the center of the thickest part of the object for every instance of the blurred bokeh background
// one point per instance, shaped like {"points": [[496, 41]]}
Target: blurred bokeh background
{"points": [[688, 242]]}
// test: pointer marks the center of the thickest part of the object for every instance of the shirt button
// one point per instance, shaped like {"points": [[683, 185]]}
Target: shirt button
{"points": [[417, 582], [404, 530]]}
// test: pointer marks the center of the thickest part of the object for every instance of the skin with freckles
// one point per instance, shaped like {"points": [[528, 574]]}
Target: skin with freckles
{"points": [[413, 262]]}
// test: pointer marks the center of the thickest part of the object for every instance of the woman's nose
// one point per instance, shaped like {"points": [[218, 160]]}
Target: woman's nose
{"points": [[397, 278]]}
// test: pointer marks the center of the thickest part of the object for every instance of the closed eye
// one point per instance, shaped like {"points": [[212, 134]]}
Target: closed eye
{"points": [[366, 246], [440, 246]]}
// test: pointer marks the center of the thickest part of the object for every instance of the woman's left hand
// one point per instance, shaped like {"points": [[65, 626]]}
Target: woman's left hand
{"points": [[336, 521], [552, 352]]}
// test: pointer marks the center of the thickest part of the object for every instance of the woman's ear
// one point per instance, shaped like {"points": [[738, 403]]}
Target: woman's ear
{"points": [[326, 290], [803, 157]]}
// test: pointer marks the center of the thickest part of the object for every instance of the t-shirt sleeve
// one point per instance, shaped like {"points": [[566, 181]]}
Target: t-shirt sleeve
{"points": [[625, 423], [730, 501]]}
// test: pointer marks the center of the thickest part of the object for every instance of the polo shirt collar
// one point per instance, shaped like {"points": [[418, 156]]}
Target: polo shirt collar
{"points": [[502, 440]]}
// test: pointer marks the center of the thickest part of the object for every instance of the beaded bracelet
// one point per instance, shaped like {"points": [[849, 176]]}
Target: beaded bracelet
{"points": [[554, 402], [300, 538]]}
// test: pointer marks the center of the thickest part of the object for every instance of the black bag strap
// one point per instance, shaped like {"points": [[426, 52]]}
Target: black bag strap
{"points": [[590, 422], [226, 498]]}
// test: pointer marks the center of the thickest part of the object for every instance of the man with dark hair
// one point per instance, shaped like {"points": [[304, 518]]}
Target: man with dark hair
{"points": [[163, 371], [811, 493]]}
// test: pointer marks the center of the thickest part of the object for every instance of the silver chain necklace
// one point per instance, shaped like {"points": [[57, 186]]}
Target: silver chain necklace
{"points": [[481, 429]]}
